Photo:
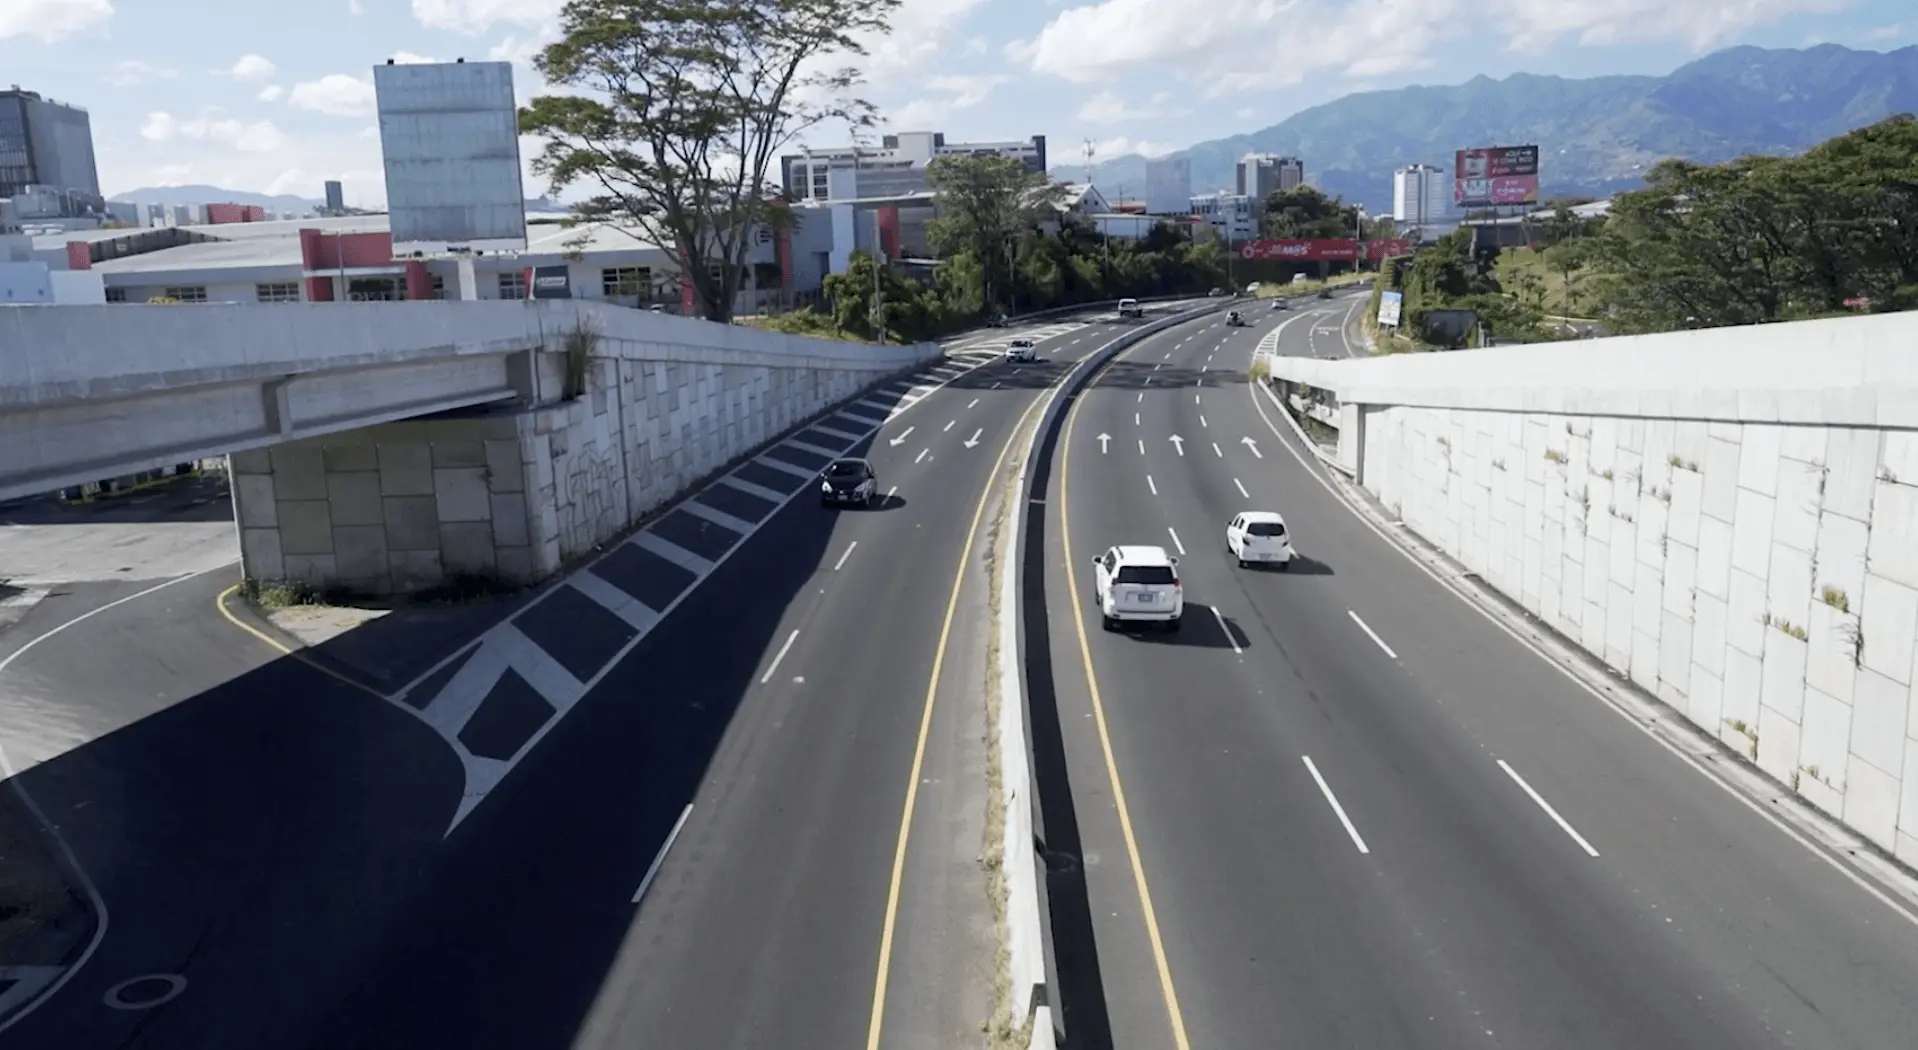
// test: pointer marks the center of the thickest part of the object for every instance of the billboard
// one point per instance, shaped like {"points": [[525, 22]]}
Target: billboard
{"points": [[550, 282], [1388, 247], [450, 135], [1390, 303], [1495, 176], [1333, 250]]}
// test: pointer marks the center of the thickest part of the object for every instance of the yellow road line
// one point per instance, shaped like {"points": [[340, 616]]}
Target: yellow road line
{"points": [[925, 732], [1171, 996], [285, 649]]}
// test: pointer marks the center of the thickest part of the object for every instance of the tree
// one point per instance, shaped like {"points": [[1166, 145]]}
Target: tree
{"points": [[1305, 213], [678, 109], [986, 204]]}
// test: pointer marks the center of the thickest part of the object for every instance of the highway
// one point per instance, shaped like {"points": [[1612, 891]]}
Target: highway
{"points": [[1341, 808], [704, 849]]}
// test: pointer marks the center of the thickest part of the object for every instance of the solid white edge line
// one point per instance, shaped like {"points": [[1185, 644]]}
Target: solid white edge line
{"points": [[836, 566], [1229, 636], [11, 776], [1370, 633], [659, 859], [1903, 909], [1175, 540], [1326, 790], [780, 655], [1547, 807]]}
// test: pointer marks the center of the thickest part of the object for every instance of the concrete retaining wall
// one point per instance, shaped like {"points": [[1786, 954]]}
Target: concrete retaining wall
{"points": [[510, 494], [1754, 569]]}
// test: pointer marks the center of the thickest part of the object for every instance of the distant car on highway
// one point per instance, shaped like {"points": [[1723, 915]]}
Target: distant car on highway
{"points": [[1235, 319], [849, 481], [1259, 537], [996, 321], [1021, 350], [1278, 304], [1130, 308], [1216, 293], [1138, 584]]}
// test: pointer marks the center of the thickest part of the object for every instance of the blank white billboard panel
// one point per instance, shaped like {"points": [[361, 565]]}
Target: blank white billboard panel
{"points": [[450, 135]]}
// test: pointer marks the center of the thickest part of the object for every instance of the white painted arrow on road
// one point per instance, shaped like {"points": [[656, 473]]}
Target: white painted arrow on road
{"points": [[1103, 438], [901, 439], [1254, 446], [974, 439], [1178, 443]]}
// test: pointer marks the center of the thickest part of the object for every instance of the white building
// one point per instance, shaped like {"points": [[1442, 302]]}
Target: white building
{"points": [[1168, 186], [1421, 196], [895, 168], [1260, 175], [1234, 215]]}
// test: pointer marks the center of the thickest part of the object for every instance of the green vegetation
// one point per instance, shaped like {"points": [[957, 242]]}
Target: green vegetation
{"points": [[1004, 245], [674, 111]]}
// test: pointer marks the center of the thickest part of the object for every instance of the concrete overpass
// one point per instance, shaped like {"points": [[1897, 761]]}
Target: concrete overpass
{"points": [[338, 478], [1727, 519]]}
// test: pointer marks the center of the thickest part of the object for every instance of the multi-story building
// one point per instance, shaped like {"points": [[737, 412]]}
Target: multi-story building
{"points": [[47, 166], [895, 168], [1420, 196], [335, 198], [1235, 216], [1260, 175], [1168, 186]]}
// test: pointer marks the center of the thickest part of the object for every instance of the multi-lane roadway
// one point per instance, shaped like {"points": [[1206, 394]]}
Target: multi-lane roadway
{"points": [[756, 820], [1341, 808]]}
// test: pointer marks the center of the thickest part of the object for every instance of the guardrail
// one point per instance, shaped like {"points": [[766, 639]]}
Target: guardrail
{"points": [[1032, 924]]}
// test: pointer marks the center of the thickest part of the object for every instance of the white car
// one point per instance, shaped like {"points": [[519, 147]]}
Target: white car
{"points": [[1258, 537], [1021, 350], [1130, 308], [1138, 584]]}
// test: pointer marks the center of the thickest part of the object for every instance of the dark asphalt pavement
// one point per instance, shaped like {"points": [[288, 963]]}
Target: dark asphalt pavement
{"points": [[1454, 910], [274, 836]]}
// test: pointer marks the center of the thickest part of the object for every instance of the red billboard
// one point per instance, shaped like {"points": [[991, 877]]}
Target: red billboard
{"points": [[1495, 176], [1387, 248], [1335, 250]]}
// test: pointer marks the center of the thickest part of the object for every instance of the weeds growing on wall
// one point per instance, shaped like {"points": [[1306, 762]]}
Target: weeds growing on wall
{"points": [[581, 345]]}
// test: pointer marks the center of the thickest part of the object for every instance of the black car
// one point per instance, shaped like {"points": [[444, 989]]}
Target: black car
{"points": [[848, 482]]}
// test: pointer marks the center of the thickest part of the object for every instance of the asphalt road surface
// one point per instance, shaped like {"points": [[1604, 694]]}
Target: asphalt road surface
{"points": [[1340, 808], [270, 845]]}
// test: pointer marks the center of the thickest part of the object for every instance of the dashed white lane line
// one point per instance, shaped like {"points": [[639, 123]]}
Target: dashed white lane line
{"points": [[974, 401], [1326, 790], [1175, 539], [1141, 446], [1370, 633], [841, 563], [1549, 811], [1226, 629], [1202, 421], [1149, 483], [949, 425], [891, 492], [1140, 398], [659, 859], [1216, 450], [1196, 398], [778, 656], [922, 455], [1135, 419], [1241, 488]]}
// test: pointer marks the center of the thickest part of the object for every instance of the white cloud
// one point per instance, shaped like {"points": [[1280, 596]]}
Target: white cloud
{"points": [[353, 7], [408, 58], [134, 72], [1228, 47], [1106, 107], [1889, 32], [253, 69], [258, 137], [271, 93], [50, 20], [477, 16], [954, 92], [1120, 146], [335, 93]]}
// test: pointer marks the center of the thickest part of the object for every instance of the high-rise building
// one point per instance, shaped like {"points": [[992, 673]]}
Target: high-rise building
{"points": [[46, 147], [1168, 186], [1234, 215], [896, 167], [1260, 175], [335, 197], [1420, 195]]}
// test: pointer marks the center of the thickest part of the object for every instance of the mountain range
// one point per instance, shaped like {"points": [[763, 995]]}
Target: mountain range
{"points": [[1596, 136]]}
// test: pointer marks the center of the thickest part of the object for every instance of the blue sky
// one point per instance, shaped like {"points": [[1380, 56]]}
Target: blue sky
{"points": [[278, 97]]}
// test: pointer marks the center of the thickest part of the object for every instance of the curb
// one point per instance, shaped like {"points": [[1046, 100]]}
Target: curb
{"points": [[1026, 933]]}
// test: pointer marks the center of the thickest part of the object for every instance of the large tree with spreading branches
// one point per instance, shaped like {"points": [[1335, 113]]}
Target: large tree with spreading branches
{"points": [[673, 113]]}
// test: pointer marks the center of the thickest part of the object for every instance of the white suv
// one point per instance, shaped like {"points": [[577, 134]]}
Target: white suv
{"points": [[1259, 536], [1130, 308], [1138, 583], [1021, 350]]}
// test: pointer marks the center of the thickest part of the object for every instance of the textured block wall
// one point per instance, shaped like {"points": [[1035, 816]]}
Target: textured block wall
{"points": [[1760, 578]]}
